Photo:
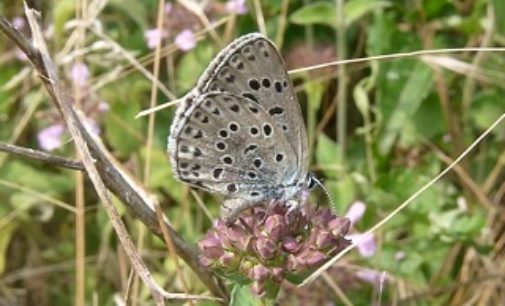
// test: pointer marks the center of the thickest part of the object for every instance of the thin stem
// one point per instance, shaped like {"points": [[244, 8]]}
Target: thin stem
{"points": [[260, 20], [342, 82], [309, 30], [80, 221], [281, 25], [41, 156]]}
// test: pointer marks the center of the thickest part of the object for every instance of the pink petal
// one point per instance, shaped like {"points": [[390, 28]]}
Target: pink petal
{"points": [[356, 211], [79, 74], [154, 37], [238, 7], [92, 126], [373, 277], [103, 107], [185, 40], [50, 137], [18, 22], [366, 247]]}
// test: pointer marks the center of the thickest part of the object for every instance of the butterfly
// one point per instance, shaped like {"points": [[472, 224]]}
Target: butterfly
{"points": [[240, 131]]}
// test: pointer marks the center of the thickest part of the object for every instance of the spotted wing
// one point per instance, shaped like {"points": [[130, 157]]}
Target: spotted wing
{"points": [[229, 144], [252, 67]]}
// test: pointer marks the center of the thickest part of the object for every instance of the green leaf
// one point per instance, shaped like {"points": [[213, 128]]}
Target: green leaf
{"points": [[315, 92], [134, 9], [5, 237], [354, 10], [412, 94], [325, 12], [315, 13], [499, 11], [242, 296], [62, 13], [122, 130], [327, 155], [487, 107], [48, 182], [361, 100]]}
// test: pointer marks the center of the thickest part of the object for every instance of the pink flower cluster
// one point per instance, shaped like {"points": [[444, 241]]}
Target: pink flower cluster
{"points": [[268, 246]]}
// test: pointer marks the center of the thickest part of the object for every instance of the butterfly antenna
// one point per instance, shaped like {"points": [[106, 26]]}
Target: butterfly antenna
{"points": [[332, 203]]}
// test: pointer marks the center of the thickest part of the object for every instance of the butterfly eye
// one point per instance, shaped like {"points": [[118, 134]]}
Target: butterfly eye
{"points": [[311, 182]]}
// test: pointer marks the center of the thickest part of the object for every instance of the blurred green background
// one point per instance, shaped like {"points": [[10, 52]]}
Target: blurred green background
{"points": [[405, 119]]}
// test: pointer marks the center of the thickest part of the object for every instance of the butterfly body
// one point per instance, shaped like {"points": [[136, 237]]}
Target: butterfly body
{"points": [[240, 132]]}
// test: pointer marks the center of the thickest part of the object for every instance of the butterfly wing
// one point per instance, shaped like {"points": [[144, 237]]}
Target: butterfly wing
{"points": [[252, 67], [230, 144]]}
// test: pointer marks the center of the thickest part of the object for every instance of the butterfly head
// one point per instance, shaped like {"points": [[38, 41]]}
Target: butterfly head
{"points": [[311, 181]]}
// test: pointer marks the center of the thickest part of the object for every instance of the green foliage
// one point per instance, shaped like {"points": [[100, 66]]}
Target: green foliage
{"points": [[242, 296], [324, 12]]}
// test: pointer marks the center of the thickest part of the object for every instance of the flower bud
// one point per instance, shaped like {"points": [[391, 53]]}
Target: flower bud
{"points": [[266, 247], [323, 240], [211, 247], [289, 244], [314, 259], [339, 226], [322, 217], [245, 267], [229, 260], [259, 273], [295, 263], [274, 227], [278, 274]]}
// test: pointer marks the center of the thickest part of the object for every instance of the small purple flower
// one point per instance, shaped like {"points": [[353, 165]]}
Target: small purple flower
{"points": [[185, 40], [103, 107], [238, 7], [228, 259], [356, 211], [20, 55], [278, 274], [154, 37], [323, 240], [315, 259], [274, 227], [211, 247], [50, 137], [79, 74], [18, 22], [259, 273], [289, 244], [372, 276], [265, 247], [339, 226], [366, 247], [91, 125], [295, 263], [270, 245]]}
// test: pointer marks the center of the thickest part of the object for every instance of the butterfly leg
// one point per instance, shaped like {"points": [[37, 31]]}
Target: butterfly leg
{"points": [[233, 207]]}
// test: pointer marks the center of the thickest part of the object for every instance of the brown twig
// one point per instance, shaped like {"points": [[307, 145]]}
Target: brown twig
{"points": [[42, 156], [100, 165]]}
